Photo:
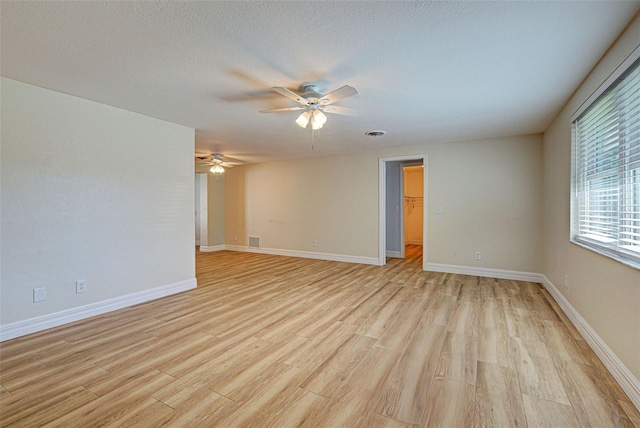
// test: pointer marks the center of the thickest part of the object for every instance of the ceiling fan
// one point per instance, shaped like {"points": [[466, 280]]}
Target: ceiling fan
{"points": [[315, 104], [217, 161]]}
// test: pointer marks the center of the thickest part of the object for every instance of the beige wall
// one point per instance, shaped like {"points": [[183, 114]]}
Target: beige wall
{"points": [[606, 293], [490, 192], [89, 192], [290, 204], [215, 209]]}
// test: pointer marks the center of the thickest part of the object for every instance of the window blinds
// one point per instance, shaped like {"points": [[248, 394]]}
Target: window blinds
{"points": [[606, 171]]}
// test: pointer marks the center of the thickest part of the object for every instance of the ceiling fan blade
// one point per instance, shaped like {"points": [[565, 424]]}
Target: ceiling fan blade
{"points": [[278, 110], [337, 95], [211, 159], [291, 95], [346, 111], [233, 161]]}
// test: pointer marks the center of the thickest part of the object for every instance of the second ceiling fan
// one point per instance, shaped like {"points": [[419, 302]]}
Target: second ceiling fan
{"points": [[315, 104]]}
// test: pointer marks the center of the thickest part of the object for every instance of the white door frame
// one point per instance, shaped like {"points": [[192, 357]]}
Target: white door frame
{"points": [[382, 197], [204, 209]]}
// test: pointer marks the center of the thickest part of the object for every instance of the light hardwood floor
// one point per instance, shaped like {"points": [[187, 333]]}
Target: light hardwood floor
{"points": [[269, 341]]}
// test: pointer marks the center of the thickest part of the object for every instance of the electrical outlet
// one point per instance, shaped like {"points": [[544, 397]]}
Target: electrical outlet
{"points": [[235, 237], [81, 286], [315, 243], [566, 281], [39, 294], [478, 255]]}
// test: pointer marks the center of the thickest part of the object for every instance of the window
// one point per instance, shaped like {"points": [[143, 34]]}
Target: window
{"points": [[605, 209]]}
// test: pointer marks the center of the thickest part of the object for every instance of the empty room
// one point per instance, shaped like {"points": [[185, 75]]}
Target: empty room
{"points": [[320, 214]]}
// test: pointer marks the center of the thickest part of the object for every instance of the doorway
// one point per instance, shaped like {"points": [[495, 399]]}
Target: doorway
{"points": [[396, 210], [413, 192]]}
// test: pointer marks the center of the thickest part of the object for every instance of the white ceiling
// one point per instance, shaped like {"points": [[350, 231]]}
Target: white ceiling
{"points": [[425, 71]]}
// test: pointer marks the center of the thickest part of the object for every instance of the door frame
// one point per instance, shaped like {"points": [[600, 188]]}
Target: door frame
{"points": [[204, 209], [382, 197]]}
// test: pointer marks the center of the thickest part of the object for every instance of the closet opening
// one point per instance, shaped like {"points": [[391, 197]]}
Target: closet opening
{"points": [[403, 212]]}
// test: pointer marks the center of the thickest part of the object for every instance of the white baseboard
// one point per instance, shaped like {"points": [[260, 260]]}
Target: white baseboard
{"points": [[486, 272], [33, 325], [197, 242], [210, 249], [306, 254], [394, 254], [618, 370]]}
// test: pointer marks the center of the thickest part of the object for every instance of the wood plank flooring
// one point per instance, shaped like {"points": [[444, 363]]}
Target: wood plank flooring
{"points": [[269, 341]]}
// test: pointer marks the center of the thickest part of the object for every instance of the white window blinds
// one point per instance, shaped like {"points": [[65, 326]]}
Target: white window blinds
{"points": [[606, 171]]}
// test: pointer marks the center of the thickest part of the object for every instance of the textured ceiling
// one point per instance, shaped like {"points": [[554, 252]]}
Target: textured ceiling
{"points": [[425, 71]]}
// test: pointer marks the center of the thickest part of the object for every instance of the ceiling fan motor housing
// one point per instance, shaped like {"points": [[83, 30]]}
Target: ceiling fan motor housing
{"points": [[310, 92]]}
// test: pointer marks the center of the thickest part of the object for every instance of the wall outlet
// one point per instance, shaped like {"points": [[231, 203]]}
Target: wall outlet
{"points": [[39, 294], [235, 237], [478, 255], [439, 209], [81, 286], [566, 281], [315, 243]]}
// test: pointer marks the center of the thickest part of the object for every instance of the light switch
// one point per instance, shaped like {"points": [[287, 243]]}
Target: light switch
{"points": [[39, 294]]}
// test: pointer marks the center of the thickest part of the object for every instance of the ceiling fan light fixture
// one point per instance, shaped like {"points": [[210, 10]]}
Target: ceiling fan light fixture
{"points": [[303, 119], [318, 119], [217, 169]]}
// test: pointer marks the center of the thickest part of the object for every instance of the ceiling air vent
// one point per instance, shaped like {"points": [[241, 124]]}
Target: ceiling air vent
{"points": [[375, 133]]}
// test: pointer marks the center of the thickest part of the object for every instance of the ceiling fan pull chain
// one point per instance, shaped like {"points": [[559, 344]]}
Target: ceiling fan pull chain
{"points": [[315, 137]]}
